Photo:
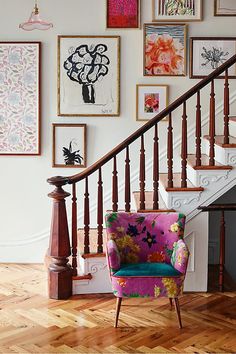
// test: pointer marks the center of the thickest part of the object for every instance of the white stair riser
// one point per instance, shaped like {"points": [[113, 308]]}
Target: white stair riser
{"points": [[204, 178], [225, 156], [232, 128], [180, 200], [100, 282]]}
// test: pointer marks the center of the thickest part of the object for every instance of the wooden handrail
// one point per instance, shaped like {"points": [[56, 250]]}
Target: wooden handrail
{"points": [[61, 247], [138, 133]]}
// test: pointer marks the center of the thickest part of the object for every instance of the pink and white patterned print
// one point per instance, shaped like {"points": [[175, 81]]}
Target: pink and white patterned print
{"points": [[19, 103]]}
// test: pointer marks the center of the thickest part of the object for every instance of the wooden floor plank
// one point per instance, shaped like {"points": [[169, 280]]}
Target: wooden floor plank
{"points": [[31, 323]]}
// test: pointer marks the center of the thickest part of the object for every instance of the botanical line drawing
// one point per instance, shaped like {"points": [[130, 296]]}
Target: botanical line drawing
{"points": [[215, 57], [87, 65]]}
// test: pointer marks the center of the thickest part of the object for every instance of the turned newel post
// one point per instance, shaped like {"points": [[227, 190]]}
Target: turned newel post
{"points": [[59, 271]]}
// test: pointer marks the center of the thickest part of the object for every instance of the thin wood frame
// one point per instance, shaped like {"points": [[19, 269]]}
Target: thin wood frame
{"points": [[59, 78], [137, 99], [175, 18], [192, 39], [39, 66], [217, 14], [138, 17], [185, 26], [56, 125]]}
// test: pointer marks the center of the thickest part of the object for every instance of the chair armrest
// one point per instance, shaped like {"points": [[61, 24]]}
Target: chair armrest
{"points": [[113, 256], [180, 255]]}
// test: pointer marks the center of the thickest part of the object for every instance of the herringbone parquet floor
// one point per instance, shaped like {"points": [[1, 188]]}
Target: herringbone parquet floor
{"points": [[31, 323]]}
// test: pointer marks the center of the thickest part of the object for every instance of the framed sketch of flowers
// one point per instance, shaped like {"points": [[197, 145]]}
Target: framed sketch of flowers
{"points": [[123, 13], [20, 98], [177, 10], [150, 101], [69, 145], [225, 8], [165, 49], [208, 53], [88, 75]]}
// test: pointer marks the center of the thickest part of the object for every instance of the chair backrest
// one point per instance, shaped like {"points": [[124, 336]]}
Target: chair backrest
{"points": [[145, 237]]}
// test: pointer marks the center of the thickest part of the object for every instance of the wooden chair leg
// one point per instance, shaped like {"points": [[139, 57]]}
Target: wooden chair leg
{"points": [[177, 308], [118, 305], [171, 303]]}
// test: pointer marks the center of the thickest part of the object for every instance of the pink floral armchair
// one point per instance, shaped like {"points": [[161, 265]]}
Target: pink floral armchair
{"points": [[147, 256]]}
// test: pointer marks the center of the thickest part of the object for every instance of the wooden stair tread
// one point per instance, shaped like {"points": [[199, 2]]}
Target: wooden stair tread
{"points": [[205, 163], [93, 237], [177, 184], [149, 203], [219, 140]]}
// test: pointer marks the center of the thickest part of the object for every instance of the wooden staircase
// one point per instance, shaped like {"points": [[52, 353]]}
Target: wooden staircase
{"points": [[210, 161]]}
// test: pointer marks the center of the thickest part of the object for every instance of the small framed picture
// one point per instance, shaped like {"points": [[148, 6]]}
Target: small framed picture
{"points": [[225, 8], [165, 49], [123, 13], [177, 10], [208, 53], [69, 145], [89, 76], [150, 101], [20, 117]]}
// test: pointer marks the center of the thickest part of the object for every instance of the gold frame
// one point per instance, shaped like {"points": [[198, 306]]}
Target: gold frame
{"points": [[221, 15], [58, 78], [137, 99], [185, 47], [126, 28], [175, 18], [54, 126]]}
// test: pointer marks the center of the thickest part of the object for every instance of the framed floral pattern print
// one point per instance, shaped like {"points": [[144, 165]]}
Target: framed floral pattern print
{"points": [[165, 49], [20, 98], [150, 101], [224, 7], [123, 13], [177, 10], [88, 75], [69, 145], [208, 53]]}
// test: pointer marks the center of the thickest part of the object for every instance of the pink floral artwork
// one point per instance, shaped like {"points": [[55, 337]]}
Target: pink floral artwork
{"points": [[19, 98], [151, 102], [164, 52]]}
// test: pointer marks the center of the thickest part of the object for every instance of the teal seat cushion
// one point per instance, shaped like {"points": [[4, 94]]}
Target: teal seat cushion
{"points": [[147, 270]]}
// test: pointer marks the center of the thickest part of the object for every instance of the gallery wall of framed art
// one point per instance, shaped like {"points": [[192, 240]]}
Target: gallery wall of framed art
{"points": [[86, 18]]}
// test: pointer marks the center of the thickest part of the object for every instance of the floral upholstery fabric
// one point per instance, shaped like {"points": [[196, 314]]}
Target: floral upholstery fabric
{"points": [[179, 258], [152, 238], [113, 256]]}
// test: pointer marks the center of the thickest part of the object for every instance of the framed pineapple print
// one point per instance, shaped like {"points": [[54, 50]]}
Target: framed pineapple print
{"points": [[224, 7], [150, 101], [123, 14], [20, 98], [164, 49], [69, 145], [177, 10], [88, 75]]}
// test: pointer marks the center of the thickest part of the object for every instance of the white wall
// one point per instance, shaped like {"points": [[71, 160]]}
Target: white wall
{"points": [[25, 210]]}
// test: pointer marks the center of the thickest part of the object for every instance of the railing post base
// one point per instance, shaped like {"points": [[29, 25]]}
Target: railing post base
{"points": [[59, 279], [59, 271]]}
